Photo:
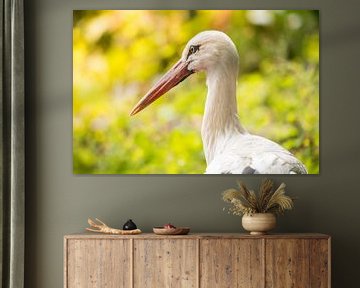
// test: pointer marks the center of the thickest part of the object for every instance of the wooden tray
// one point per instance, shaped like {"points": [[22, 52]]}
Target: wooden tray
{"points": [[171, 231]]}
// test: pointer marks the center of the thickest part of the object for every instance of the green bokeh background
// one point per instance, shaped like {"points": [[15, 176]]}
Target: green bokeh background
{"points": [[118, 55]]}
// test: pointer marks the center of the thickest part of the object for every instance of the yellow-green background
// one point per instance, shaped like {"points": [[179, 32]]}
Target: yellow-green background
{"points": [[117, 56]]}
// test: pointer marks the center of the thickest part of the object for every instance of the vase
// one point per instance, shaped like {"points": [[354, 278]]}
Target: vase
{"points": [[259, 223]]}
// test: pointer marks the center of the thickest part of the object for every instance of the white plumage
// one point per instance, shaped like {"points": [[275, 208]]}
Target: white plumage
{"points": [[228, 147]]}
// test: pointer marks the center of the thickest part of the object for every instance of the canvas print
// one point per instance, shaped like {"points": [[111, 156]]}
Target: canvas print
{"points": [[196, 92]]}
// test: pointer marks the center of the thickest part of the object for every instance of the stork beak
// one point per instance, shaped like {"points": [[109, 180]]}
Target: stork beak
{"points": [[173, 77]]}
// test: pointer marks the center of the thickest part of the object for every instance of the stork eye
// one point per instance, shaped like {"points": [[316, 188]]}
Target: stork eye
{"points": [[193, 49]]}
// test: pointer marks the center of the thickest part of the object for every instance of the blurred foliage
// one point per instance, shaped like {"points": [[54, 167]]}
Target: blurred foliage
{"points": [[118, 55]]}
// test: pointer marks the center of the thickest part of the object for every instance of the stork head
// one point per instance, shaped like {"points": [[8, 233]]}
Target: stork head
{"points": [[207, 51]]}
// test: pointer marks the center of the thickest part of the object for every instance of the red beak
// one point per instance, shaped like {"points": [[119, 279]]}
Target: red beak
{"points": [[173, 77]]}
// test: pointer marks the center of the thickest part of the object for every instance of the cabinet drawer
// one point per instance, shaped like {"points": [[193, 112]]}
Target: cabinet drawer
{"points": [[231, 263], [297, 263], [98, 263], [165, 263]]}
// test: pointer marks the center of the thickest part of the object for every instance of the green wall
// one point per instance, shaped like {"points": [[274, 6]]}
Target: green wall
{"points": [[58, 203]]}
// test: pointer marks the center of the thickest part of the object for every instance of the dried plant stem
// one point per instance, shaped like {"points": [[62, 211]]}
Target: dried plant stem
{"points": [[101, 227], [268, 200]]}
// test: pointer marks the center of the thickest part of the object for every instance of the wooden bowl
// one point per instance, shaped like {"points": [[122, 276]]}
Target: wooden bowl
{"points": [[171, 231]]}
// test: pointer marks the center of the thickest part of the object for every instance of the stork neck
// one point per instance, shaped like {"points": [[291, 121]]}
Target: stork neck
{"points": [[221, 116]]}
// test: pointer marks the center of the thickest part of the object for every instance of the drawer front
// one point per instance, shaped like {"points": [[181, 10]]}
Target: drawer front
{"points": [[320, 263], [287, 263], [297, 263], [165, 263], [98, 263], [231, 263]]}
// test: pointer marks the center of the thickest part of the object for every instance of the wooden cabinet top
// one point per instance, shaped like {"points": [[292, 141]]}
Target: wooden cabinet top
{"points": [[199, 236]]}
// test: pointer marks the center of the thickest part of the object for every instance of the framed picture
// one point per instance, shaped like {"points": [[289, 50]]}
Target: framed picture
{"points": [[248, 101]]}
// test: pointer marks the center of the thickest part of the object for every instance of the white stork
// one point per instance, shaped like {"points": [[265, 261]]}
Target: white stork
{"points": [[228, 147]]}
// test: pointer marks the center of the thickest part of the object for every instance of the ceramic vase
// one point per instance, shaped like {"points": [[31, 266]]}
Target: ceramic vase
{"points": [[259, 223]]}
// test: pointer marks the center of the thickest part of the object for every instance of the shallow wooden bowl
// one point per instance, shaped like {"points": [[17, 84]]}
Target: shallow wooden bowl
{"points": [[171, 231]]}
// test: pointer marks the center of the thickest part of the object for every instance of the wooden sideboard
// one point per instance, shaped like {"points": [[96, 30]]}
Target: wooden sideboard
{"points": [[197, 260]]}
